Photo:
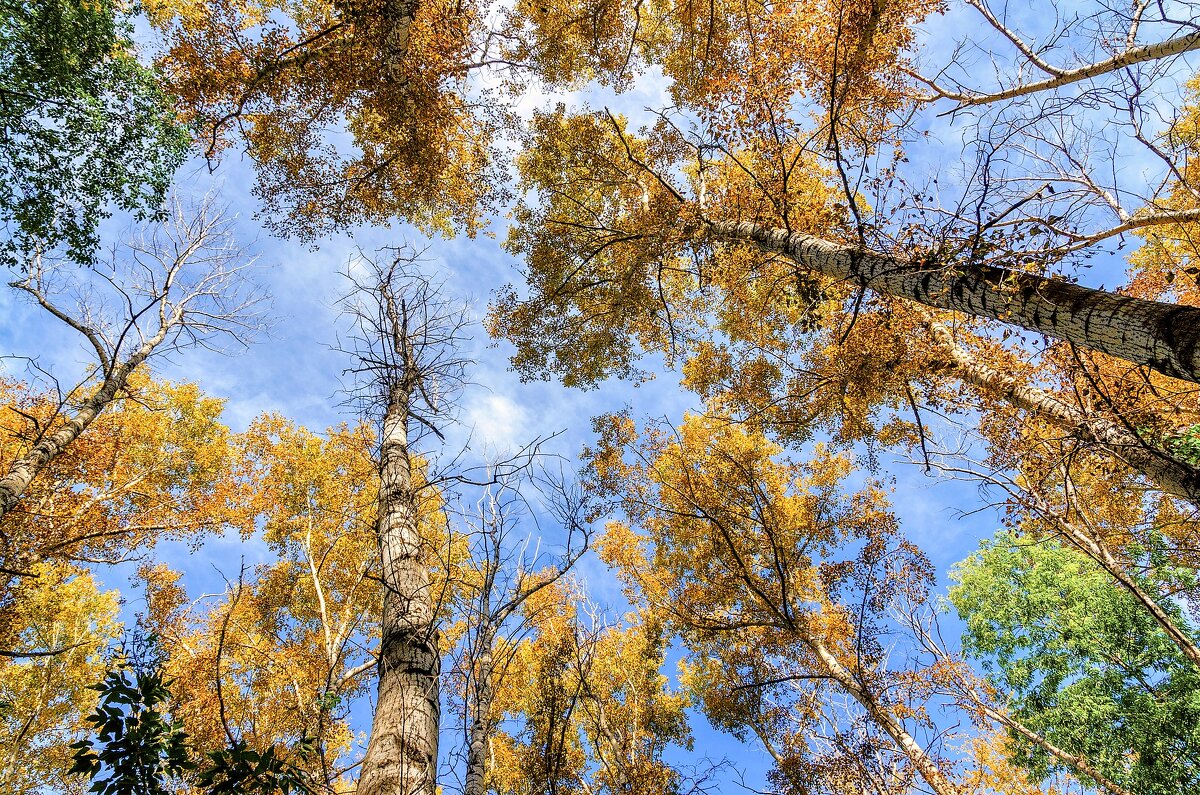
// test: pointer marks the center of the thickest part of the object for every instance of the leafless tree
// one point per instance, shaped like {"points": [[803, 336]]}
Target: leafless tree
{"points": [[410, 371], [181, 284], [508, 567], [408, 339]]}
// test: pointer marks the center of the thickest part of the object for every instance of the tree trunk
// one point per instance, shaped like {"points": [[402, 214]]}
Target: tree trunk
{"points": [[22, 471], [1167, 473], [401, 756], [882, 716], [1163, 337], [479, 729], [1080, 763]]}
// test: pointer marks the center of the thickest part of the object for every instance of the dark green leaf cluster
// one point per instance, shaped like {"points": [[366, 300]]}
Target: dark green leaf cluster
{"points": [[239, 770], [83, 127], [1082, 662], [138, 749]]}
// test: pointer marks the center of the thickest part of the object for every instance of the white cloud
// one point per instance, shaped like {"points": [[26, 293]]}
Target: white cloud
{"points": [[498, 423]]}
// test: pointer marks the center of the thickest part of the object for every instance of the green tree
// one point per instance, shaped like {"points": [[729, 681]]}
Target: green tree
{"points": [[83, 127], [1081, 663]]}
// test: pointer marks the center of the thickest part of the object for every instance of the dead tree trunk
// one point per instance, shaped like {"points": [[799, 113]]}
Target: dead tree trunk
{"points": [[401, 756], [406, 342]]}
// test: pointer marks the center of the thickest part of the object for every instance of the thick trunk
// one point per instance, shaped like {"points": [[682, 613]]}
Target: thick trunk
{"points": [[401, 756], [1163, 337], [1172, 476]]}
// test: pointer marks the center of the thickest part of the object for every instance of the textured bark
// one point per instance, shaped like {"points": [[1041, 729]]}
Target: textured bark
{"points": [[479, 727], [401, 756], [1163, 337], [1167, 473]]}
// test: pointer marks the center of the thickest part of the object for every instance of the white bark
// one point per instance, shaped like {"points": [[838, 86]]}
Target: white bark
{"points": [[925, 765], [1165, 472], [1163, 337], [167, 307]]}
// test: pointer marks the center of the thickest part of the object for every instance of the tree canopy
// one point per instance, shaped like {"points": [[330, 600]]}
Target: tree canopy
{"points": [[860, 241], [85, 126]]}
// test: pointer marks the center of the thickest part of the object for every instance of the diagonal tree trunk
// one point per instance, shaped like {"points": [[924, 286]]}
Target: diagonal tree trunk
{"points": [[929, 768], [22, 471], [1175, 477], [182, 286], [1163, 337]]}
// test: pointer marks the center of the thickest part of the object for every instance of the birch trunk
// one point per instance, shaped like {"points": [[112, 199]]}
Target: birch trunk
{"points": [[1172, 476], [1074, 760], [925, 765], [401, 756], [22, 471], [1163, 337]]}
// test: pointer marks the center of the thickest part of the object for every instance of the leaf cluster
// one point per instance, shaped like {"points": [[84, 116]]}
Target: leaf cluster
{"points": [[85, 125], [140, 749], [1081, 663]]}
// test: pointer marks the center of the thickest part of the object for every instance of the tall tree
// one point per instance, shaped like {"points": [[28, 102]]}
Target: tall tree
{"points": [[828, 99], [780, 589], [411, 373], [616, 266]]}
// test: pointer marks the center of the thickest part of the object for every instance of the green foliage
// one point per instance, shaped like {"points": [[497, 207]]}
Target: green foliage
{"points": [[239, 770], [138, 749], [1187, 445], [1082, 662], [83, 126]]}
